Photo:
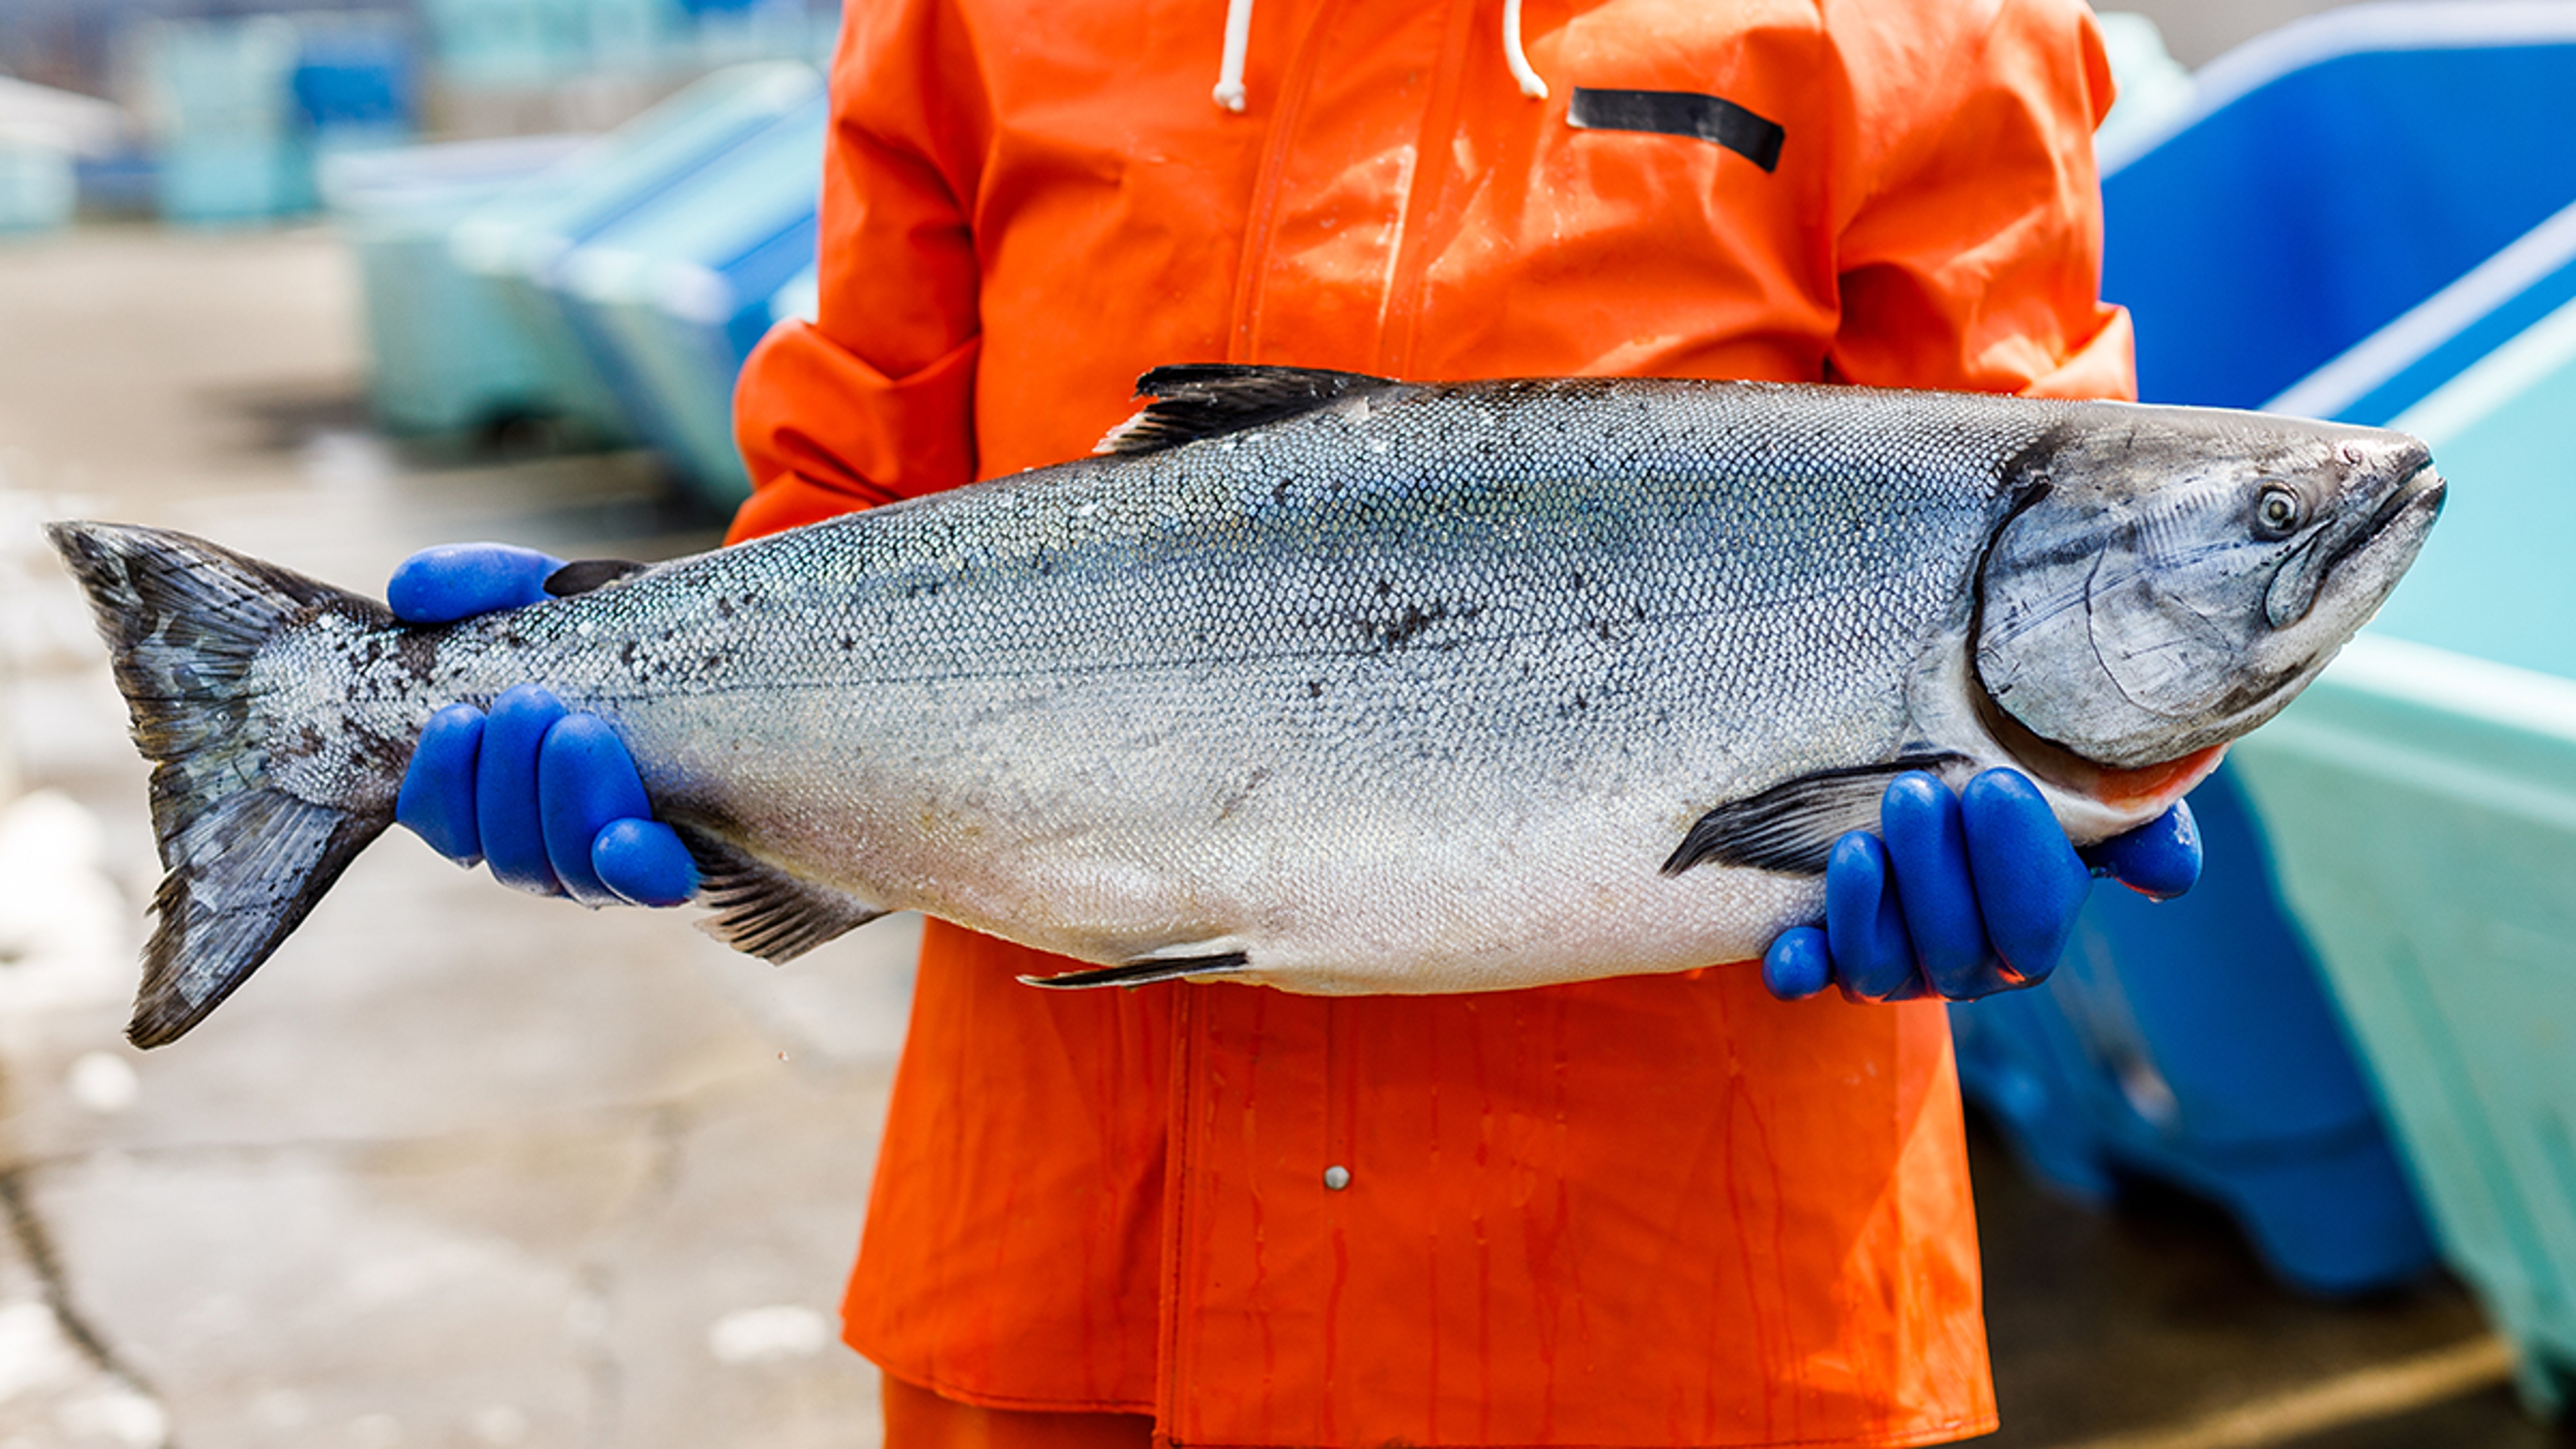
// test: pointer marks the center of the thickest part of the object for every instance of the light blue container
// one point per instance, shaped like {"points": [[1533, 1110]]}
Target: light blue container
{"points": [[243, 109], [38, 189], [516, 246], [518, 44], [507, 43], [679, 292], [222, 104], [445, 356]]}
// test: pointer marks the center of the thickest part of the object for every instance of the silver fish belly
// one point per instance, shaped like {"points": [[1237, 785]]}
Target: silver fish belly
{"points": [[1322, 682]]}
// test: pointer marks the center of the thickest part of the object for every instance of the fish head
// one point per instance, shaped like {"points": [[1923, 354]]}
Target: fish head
{"points": [[2162, 587]]}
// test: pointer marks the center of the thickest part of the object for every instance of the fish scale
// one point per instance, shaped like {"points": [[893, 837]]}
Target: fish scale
{"points": [[1324, 681]]}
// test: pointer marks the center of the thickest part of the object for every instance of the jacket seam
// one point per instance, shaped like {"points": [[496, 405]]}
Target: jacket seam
{"points": [[984, 1399], [1425, 200], [1948, 1431], [1177, 1159]]}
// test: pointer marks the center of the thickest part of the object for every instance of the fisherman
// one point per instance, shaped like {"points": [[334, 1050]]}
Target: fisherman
{"points": [[1691, 1210]]}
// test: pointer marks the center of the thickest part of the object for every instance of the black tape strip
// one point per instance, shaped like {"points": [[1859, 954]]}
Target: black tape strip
{"points": [[1680, 113]]}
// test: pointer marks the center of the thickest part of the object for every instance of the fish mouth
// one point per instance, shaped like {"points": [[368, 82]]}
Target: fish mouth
{"points": [[2403, 513], [2421, 491]]}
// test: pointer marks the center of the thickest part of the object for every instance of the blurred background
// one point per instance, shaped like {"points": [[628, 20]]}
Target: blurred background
{"points": [[2286, 1163]]}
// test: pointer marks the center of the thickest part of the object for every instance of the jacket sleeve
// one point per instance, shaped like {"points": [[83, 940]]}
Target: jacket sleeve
{"points": [[1970, 240], [873, 400]]}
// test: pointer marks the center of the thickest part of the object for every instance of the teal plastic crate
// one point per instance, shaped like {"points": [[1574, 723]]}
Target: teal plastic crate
{"points": [[515, 246], [519, 43], [445, 356], [37, 189], [222, 103], [2422, 806], [2422, 800]]}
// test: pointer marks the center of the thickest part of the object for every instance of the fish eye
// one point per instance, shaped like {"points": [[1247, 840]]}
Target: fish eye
{"points": [[2278, 511]]}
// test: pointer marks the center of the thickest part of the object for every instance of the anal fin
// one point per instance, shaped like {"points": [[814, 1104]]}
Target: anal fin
{"points": [[1145, 971], [1792, 826], [763, 911]]}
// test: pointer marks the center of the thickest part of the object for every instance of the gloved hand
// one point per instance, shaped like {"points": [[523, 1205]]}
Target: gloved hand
{"points": [[550, 798], [1961, 896]]}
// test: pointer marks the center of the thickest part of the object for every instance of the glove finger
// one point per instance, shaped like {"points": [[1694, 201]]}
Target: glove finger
{"points": [[505, 789], [1864, 925], [1927, 854], [644, 862], [1798, 965], [2159, 860], [437, 796], [585, 780], [458, 580], [2029, 883]]}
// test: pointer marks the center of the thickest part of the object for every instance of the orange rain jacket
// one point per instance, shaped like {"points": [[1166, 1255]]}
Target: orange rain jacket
{"points": [[1663, 1210]]}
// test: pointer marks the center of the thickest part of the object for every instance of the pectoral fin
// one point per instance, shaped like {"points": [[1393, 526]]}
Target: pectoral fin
{"points": [[1792, 826]]}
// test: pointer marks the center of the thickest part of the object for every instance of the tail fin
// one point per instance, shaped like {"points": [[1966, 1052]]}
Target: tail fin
{"points": [[246, 850]]}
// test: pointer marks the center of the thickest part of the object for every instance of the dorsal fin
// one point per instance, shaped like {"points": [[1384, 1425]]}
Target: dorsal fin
{"points": [[1210, 399]]}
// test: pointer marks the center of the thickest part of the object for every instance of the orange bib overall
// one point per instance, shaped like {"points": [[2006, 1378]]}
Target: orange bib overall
{"points": [[1645, 1211]]}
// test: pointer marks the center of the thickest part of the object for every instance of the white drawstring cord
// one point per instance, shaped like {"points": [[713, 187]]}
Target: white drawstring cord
{"points": [[1515, 57], [1238, 39]]}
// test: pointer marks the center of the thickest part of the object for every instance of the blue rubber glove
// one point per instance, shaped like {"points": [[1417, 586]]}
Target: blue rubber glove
{"points": [[549, 797], [1961, 896]]}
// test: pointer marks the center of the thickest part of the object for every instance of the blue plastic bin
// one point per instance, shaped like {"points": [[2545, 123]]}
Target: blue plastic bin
{"points": [[2402, 364], [516, 246], [356, 74], [2328, 177], [2192, 1042], [677, 293]]}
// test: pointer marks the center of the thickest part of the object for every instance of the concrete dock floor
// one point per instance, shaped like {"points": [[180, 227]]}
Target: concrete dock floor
{"points": [[466, 1168]]}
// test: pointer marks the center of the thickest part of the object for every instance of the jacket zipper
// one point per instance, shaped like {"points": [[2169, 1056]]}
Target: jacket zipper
{"points": [[1262, 219], [1399, 314]]}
